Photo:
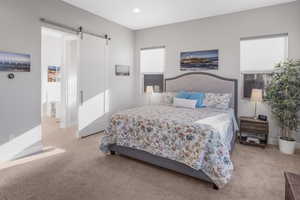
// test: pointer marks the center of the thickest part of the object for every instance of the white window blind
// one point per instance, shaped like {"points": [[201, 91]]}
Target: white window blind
{"points": [[152, 60], [262, 54]]}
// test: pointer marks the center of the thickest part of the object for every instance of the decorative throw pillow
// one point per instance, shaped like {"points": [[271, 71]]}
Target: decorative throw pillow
{"points": [[185, 103], [217, 100]]}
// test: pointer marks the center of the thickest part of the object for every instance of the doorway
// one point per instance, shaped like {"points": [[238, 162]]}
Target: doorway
{"points": [[60, 61], [75, 92]]}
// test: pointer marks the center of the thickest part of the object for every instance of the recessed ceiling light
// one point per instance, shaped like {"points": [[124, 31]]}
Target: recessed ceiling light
{"points": [[136, 10]]}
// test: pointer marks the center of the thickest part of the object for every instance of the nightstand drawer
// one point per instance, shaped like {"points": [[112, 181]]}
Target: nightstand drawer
{"points": [[254, 130], [251, 124]]}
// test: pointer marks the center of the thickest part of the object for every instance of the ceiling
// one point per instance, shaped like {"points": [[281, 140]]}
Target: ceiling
{"points": [[160, 12]]}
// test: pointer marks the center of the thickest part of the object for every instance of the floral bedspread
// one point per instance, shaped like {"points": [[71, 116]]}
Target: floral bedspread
{"points": [[173, 133]]}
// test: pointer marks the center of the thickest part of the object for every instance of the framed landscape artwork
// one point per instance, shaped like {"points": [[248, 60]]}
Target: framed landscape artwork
{"points": [[122, 70], [14, 62], [199, 60], [53, 74]]}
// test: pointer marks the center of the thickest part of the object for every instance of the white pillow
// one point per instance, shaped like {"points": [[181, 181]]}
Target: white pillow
{"points": [[185, 103]]}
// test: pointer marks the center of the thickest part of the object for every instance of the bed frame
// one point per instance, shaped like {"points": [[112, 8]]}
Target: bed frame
{"points": [[194, 81]]}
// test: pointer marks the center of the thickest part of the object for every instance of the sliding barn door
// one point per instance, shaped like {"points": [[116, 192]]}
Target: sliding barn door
{"points": [[92, 86]]}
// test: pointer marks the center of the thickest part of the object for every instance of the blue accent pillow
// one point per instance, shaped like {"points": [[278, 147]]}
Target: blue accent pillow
{"points": [[199, 96], [183, 95]]}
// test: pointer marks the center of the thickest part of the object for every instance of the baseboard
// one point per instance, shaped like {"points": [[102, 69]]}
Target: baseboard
{"points": [[94, 127], [33, 149], [26, 144]]}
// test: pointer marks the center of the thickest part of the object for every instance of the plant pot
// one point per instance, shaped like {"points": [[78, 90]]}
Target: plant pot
{"points": [[287, 146]]}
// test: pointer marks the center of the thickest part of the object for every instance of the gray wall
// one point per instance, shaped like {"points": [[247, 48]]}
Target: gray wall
{"points": [[224, 33], [20, 99]]}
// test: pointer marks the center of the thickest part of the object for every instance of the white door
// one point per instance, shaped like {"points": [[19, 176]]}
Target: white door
{"points": [[69, 82], [92, 86]]}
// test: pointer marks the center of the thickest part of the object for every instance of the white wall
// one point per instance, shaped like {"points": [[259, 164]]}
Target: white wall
{"points": [[20, 105], [224, 33]]}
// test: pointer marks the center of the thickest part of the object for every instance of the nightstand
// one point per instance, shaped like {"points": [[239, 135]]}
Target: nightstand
{"points": [[254, 129]]}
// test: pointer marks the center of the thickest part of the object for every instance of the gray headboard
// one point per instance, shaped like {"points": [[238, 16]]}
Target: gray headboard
{"points": [[204, 82]]}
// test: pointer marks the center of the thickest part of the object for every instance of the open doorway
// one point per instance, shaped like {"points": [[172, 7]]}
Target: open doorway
{"points": [[60, 59], [74, 80]]}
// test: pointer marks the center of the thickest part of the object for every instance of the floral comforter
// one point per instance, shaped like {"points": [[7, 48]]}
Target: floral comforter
{"points": [[176, 134]]}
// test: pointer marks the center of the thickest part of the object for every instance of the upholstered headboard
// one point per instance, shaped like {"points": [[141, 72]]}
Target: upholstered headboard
{"points": [[204, 82]]}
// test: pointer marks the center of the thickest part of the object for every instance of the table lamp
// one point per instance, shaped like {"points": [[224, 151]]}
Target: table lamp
{"points": [[256, 97], [149, 92]]}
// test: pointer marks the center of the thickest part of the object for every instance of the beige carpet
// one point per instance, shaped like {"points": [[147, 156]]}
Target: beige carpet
{"points": [[84, 173]]}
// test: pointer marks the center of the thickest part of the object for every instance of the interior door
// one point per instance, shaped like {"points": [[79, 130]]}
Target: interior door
{"points": [[92, 86], [69, 82]]}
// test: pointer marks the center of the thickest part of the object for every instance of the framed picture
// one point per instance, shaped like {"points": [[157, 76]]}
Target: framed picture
{"points": [[14, 62], [122, 70], [199, 60], [53, 74]]}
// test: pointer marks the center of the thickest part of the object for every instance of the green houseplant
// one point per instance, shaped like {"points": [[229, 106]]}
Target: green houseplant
{"points": [[283, 95]]}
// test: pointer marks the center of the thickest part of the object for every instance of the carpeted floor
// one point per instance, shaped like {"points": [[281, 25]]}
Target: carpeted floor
{"points": [[84, 173]]}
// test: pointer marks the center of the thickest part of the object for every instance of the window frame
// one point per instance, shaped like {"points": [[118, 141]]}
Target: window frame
{"points": [[268, 72], [142, 74]]}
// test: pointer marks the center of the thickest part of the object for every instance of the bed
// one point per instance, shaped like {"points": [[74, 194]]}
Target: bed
{"points": [[194, 142]]}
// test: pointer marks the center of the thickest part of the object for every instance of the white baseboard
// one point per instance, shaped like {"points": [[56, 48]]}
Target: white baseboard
{"points": [[25, 144], [34, 149]]}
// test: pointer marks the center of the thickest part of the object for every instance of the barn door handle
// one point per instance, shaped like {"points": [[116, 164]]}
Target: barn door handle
{"points": [[81, 97]]}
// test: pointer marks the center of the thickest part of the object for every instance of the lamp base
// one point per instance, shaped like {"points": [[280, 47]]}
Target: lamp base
{"points": [[255, 111]]}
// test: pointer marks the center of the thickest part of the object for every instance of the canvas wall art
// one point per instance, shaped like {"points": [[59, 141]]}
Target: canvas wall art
{"points": [[53, 74], [122, 70], [14, 62], [199, 60]]}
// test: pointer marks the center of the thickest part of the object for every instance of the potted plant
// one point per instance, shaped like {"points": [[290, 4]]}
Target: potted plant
{"points": [[283, 95]]}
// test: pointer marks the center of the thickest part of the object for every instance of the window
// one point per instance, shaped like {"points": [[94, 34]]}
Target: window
{"points": [[258, 58], [256, 80], [152, 64]]}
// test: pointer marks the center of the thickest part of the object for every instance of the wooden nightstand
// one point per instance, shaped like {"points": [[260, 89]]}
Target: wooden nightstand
{"points": [[254, 128]]}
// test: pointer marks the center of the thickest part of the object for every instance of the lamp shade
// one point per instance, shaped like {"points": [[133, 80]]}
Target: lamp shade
{"points": [[149, 90], [256, 95], [156, 88]]}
